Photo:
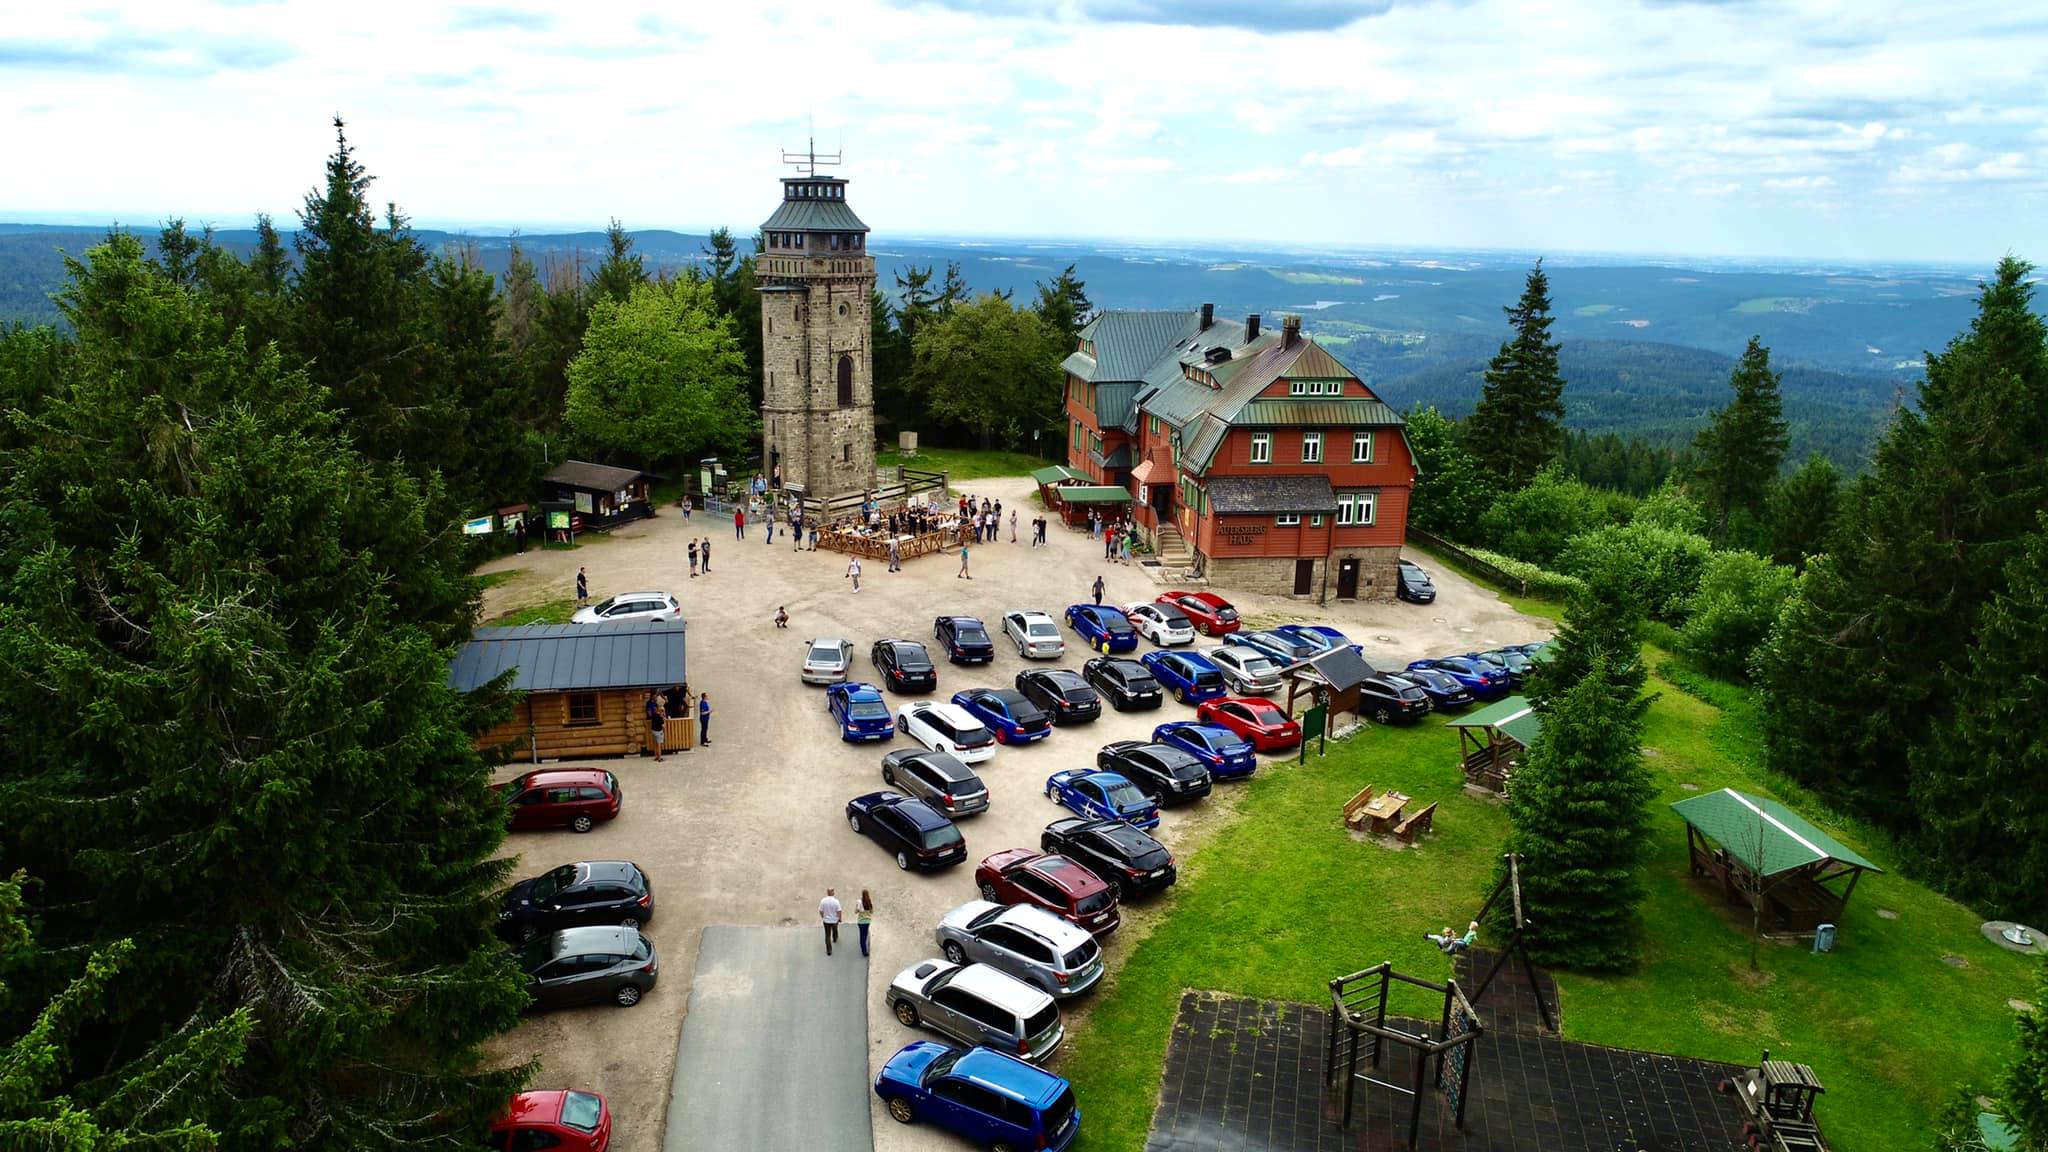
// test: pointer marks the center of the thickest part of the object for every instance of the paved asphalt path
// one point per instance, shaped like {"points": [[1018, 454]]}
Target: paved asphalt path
{"points": [[774, 1054]]}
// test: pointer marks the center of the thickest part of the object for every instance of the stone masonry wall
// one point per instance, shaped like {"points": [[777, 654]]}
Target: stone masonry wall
{"points": [[1274, 575], [828, 448]]}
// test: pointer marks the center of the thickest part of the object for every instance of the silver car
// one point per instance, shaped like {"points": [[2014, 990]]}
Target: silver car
{"points": [[826, 661], [629, 606], [1035, 634], [1027, 942], [937, 778], [1248, 671], [1163, 624], [976, 1004]]}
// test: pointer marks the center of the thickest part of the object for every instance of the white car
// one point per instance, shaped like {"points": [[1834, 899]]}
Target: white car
{"points": [[944, 727], [1248, 671], [1036, 635], [826, 661], [630, 606], [1163, 624]]}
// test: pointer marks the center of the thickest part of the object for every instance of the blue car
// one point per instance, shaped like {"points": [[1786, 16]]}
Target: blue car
{"points": [[1227, 754], [1102, 628], [1484, 680], [1101, 795], [1007, 712], [1321, 637], [860, 710], [1191, 678], [992, 1099], [1288, 650], [1442, 688]]}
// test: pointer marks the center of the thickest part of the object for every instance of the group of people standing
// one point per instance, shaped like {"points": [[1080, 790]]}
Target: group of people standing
{"points": [[1119, 538], [831, 913], [984, 524], [674, 704]]}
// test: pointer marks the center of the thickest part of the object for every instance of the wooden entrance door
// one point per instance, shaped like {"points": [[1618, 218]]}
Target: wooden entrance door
{"points": [[1347, 578], [1304, 575]]}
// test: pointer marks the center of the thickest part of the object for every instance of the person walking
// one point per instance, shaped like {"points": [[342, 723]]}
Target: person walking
{"points": [[686, 509], [693, 559], [796, 529], [829, 914], [1013, 525], [1098, 589], [814, 535], [1108, 542], [657, 723], [582, 588], [768, 524], [895, 556], [704, 718], [519, 535], [963, 565], [739, 523], [863, 916], [853, 572], [706, 555]]}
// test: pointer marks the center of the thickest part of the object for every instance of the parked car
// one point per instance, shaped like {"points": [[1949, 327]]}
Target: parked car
{"points": [[1006, 712], [629, 606], [987, 1097], [918, 835], [1483, 680], [1191, 678], [947, 728], [1126, 684], [1028, 942], [1537, 652], [860, 710], [1264, 723], [1211, 614], [964, 639], [1227, 754], [1102, 795], [937, 778], [1064, 696], [1389, 696], [1063, 887], [1441, 687], [1246, 671], [574, 798], [1167, 774], [568, 1121], [1036, 635], [1516, 662], [826, 660], [904, 666], [1320, 637], [1412, 584], [1162, 624], [1129, 861], [1280, 647], [976, 1004], [1103, 628], [573, 895], [589, 965]]}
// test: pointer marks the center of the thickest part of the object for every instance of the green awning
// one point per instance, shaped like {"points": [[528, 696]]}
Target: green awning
{"points": [[1514, 717], [1056, 474], [1766, 836], [1087, 494]]}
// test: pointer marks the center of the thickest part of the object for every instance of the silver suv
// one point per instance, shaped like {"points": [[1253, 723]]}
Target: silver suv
{"points": [[938, 779], [1029, 943], [976, 1004]]}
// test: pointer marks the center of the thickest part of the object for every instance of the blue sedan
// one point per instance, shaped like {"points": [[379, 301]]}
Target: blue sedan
{"points": [[1012, 717], [1321, 637], [860, 710], [1483, 679], [990, 1098], [1442, 688], [1191, 678], [1227, 754], [1288, 650], [1100, 795], [1102, 628]]}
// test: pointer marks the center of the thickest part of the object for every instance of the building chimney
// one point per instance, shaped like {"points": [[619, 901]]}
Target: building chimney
{"points": [[1251, 327], [1290, 330], [1208, 317]]}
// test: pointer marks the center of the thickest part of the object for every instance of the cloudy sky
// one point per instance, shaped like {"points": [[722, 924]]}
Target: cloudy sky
{"points": [[1857, 129]]}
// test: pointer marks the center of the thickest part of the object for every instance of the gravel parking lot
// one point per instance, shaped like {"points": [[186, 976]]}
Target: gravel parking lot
{"points": [[751, 830]]}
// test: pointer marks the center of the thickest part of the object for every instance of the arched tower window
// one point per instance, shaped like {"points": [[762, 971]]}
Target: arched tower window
{"points": [[845, 380]]}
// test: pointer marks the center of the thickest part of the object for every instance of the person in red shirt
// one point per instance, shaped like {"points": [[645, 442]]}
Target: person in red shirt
{"points": [[739, 523]]}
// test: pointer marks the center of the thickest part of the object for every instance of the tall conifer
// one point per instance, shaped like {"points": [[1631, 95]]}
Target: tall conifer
{"points": [[1742, 447], [1517, 427]]}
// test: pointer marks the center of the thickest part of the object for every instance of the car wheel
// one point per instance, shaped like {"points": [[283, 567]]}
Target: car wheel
{"points": [[900, 1110], [1380, 715], [632, 922], [1180, 694], [907, 1013], [954, 952], [627, 995], [1052, 794], [1117, 886], [853, 822], [888, 774], [1000, 738], [903, 861], [582, 824], [988, 893]]}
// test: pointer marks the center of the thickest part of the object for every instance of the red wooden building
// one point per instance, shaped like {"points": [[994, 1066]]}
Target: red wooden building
{"points": [[1253, 453]]}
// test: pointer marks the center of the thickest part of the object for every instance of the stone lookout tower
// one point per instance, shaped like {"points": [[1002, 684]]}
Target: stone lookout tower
{"points": [[818, 381]]}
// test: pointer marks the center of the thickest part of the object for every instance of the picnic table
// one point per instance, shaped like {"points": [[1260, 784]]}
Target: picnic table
{"points": [[1381, 811]]}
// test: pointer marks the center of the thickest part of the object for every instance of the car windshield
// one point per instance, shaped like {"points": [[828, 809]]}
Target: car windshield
{"points": [[1117, 625], [1142, 684], [546, 886], [1044, 1021], [1126, 795], [581, 1111], [1083, 953], [970, 636], [1174, 617], [1042, 628], [1078, 695], [868, 710], [1184, 767], [824, 654], [941, 1065], [536, 953], [1258, 666], [1411, 693], [1226, 613], [604, 604], [1059, 1113]]}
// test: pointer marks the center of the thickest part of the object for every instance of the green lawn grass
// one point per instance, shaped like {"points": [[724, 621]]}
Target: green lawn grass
{"points": [[966, 463], [1284, 899], [547, 612]]}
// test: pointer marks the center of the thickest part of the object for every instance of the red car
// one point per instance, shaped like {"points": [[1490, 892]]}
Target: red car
{"points": [[1212, 614], [1259, 721], [1059, 885], [576, 798], [568, 1121]]}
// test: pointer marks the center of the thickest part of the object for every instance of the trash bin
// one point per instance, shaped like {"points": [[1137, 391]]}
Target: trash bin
{"points": [[1824, 938]]}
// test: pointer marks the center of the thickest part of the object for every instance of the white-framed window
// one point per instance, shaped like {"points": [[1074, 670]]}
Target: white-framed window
{"points": [[1316, 521], [1315, 387], [1311, 447], [1356, 508], [1361, 447], [1262, 447], [1287, 519]]}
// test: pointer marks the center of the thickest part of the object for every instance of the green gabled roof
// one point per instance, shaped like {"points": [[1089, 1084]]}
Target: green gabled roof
{"points": [[1280, 412], [1198, 450], [1113, 407], [1514, 717], [1079, 365], [1126, 343], [1095, 494], [1737, 821], [1056, 473], [814, 216]]}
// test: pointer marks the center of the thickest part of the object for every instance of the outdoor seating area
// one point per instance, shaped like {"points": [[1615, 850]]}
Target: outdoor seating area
{"points": [[1386, 814], [1493, 741], [1762, 855]]}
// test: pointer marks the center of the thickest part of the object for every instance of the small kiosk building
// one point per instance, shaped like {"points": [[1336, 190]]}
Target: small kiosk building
{"points": [[581, 688]]}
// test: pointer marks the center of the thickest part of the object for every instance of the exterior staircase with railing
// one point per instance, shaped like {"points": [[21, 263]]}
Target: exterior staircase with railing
{"points": [[1172, 549]]}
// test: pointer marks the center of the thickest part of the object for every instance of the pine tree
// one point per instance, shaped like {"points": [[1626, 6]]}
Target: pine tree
{"points": [[952, 290], [2025, 1089], [1517, 427], [915, 302], [271, 264], [1063, 303], [1741, 448], [622, 269], [1801, 512], [519, 302], [177, 252], [735, 286]]}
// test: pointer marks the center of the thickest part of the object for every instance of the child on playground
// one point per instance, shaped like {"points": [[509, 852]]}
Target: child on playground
{"points": [[1452, 945]]}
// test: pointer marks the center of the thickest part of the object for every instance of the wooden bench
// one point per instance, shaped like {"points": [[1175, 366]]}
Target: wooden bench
{"points": [[1407, 830], [1354, 809]]}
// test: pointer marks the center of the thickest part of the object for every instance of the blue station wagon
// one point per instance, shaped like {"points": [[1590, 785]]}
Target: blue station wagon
{"points": [[1227, 754], [1284, 647], [1485, 681], [992, 1099], [1190, 677], [1321, 637], [861, 712], [1101, 795], [1013, 718], [1102, 628]]}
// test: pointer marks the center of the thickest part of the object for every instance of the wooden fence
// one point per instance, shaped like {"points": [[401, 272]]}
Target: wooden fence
{"points": [[909, 482]]}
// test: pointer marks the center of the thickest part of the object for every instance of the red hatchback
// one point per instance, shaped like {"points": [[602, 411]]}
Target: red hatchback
{"points": [[1259, 721], [570, 1121], [575, 798], [1212, 614], [1058, 885]]}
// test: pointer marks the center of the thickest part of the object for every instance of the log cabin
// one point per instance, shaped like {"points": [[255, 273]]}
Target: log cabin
{"points": [[580, 689]]}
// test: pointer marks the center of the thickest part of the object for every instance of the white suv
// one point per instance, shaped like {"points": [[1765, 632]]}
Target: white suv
{"points": [[944, 727], [630, 606], [1035, 634]]}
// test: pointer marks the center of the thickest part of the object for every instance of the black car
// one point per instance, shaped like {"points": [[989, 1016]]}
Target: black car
{"points": [[917, 834], [1386, 698], [964, 639], [591, 892], [1168, 775], [1133, 863], [1062, 694], [937, 778], [1126, 683], [904, 666], [1412, 584], [586, 965]]}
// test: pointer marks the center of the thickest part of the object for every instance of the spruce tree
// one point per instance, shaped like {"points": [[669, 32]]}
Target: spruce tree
{"points": [[622, 269], [1741, 448], [1801, 511], [1517, 427], [2025, 1090], [1063, 303]]}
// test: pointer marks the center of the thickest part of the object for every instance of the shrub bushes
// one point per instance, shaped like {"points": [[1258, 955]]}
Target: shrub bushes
{"points": [[1540, 581], [1660, 566], [1731, 612], [1535, 523]]}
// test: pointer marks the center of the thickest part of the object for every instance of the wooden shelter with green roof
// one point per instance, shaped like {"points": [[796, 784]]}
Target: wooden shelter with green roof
{"points": [[1493, 741], [1770, 859], [1074, 500]]}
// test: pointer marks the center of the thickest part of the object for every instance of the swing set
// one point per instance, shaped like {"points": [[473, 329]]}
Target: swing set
{"points": [[1511, 886]]}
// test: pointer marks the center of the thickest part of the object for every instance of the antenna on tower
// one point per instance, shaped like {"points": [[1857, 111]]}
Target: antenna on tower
{"points": [[808, 160]]}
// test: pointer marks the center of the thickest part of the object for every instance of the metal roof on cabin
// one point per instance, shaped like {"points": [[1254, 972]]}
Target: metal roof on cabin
{"points": [[1261, 495], [1737, 821], [1127, 343], [1197, 451], [592, 477], [1113, 407], [1055, 473], [1118, 457], [1079, 364], [573, 657], [814, 216], [1515, 717], [1095, 494], [1276, 412]]}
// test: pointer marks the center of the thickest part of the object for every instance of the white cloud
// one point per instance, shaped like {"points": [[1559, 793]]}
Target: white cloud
{"points": [[1798, 183], [1266, 175]]}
